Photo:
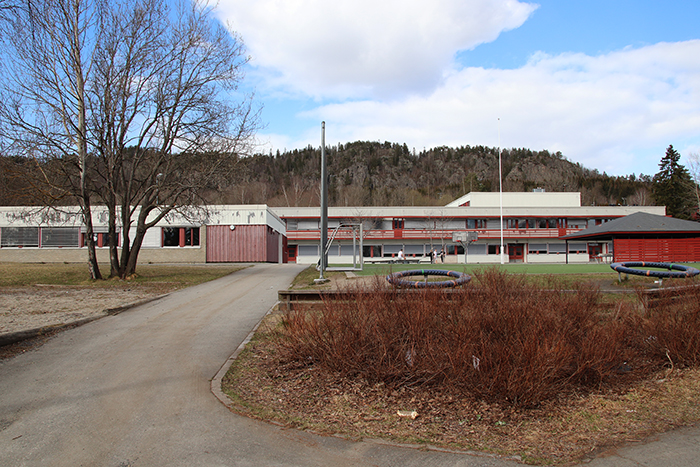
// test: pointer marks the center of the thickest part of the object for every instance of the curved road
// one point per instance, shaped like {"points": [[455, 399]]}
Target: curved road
{"points": [[134, 390]]}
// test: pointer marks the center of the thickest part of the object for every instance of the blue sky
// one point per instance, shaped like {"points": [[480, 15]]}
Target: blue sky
{"points": [[610, 84]]}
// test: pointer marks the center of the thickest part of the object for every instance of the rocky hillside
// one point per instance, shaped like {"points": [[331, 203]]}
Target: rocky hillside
{"points": [[372, 174]]}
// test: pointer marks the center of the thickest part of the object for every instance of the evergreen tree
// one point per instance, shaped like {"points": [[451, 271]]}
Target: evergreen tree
{"points": [[672, 186]]}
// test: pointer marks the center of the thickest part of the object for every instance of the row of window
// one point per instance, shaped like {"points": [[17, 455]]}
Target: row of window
{"points": [[72, 237], [420, 250], [475, 223]]}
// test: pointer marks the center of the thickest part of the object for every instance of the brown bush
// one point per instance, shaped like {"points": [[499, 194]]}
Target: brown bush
{"points": [[671, 329], [498, 339]]}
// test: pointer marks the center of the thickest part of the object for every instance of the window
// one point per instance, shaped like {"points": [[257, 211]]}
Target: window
{"points": [[476, 223], [455, 249], [398, 224], [494, 249], [180, 236], [391, 250], [556, 248], [512, 223], [578, 248], [476, 249], [19, 237], [370, 251], [308, 250], [60, 236], [101, 240], [537, 248]]}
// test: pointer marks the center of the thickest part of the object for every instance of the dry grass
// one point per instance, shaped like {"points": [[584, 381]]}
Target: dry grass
{"points": [[543, 375]]}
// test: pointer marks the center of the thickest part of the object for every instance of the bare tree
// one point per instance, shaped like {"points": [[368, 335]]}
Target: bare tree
{"points": [[133, 100], [48, 50], [694, 170], [166, 126]]}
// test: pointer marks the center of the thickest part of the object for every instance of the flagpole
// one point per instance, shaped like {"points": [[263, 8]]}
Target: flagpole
{"points": [[500, 187]]}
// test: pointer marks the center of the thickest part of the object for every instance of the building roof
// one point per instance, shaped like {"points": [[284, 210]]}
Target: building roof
{"points": [[639, 223]]}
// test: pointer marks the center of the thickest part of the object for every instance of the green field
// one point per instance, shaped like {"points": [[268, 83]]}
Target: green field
{"points": [[517, 268]]}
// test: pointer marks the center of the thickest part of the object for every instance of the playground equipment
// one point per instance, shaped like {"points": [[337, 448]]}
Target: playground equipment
{"points": [[673, 271], [396, 278]]}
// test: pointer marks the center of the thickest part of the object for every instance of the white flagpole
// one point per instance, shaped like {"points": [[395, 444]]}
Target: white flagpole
{"points": [[500, 187]]}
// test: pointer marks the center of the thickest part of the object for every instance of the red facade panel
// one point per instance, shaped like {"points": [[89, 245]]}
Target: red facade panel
{"points": [[272, 246], [682, 250], [245, 243]]}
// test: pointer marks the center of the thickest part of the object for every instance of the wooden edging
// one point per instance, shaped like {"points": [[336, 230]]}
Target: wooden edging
{"points": [[288, 299]]}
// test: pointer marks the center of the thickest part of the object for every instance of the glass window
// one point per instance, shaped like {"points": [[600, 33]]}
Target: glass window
{"points": [[494, 249], [537, 248], [555, 248], [578, 248], [475, 249], [455, 249], [19, 236], [60, 236], [171, 236], [181, 236], [308, 250]]}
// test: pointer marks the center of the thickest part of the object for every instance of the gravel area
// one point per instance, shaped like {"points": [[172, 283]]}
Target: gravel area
{"points": [[25, 308]]}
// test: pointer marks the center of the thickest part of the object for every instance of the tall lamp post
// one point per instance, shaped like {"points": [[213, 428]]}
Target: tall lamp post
{"points": [[324, 205]]}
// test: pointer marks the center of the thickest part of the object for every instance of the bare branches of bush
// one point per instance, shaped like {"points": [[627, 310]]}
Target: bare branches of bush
{"points": [[500, 339]]}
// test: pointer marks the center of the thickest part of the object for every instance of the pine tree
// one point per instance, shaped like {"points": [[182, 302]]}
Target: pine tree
{"points": [[672, 186]]}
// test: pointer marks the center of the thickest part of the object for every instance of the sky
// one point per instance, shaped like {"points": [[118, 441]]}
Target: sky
{"points": [[608, 83]]}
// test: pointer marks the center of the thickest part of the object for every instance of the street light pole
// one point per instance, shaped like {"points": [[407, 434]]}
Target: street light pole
{"points": [[324, 203]]}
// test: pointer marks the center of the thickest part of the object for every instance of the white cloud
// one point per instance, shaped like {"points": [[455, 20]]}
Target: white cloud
{"points": [[616, 112], [365, 48]]}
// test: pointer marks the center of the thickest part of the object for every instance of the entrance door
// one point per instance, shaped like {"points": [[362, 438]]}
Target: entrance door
{"points": [[292, 253], [594, 251], [516, 253]]}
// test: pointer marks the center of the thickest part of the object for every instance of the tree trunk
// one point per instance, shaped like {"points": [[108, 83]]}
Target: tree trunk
{"points": [[93, 265], [113, 240]]}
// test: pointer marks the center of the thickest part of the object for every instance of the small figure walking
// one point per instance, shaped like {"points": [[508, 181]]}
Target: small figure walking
{"points": [[401, 256], [442, 255]]}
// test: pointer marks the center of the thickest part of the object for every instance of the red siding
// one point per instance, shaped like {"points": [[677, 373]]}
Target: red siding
{"points": [[657, 249], [272, 246], [246, 243]]}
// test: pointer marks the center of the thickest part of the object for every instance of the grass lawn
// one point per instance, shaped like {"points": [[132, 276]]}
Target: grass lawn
{"points": [[181, 275], [515, 268]]}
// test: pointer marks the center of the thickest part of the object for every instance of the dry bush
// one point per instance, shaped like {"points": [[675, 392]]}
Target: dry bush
{"points": [[499, 339], [671, 329]]}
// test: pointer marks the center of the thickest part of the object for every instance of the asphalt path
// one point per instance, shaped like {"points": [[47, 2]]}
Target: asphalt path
{"points": [[134, 390]]}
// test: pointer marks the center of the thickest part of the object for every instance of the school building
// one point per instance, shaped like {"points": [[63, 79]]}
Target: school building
{"points": [[537, 228]]}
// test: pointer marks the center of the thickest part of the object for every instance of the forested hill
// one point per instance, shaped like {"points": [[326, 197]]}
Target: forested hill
{"points": [[389, 174], [376, 174]]}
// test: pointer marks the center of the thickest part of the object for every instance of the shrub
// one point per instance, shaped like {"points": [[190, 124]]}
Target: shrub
{"points": [[499, 339]]}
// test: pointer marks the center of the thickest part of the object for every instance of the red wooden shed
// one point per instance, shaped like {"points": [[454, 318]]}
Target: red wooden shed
{"points": [[647, 237]]}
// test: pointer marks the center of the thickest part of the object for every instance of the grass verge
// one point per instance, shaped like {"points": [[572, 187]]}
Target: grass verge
{"points": [[181, 275]]}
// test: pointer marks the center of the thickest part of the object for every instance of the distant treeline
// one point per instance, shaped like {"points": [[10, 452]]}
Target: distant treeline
{"points": [[389, 174]]}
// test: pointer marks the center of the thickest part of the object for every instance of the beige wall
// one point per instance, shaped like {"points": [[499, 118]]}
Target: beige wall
{"points": [[79, 255]]}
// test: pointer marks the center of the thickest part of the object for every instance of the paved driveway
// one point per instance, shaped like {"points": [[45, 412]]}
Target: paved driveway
{"points": [[134, 390]]}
